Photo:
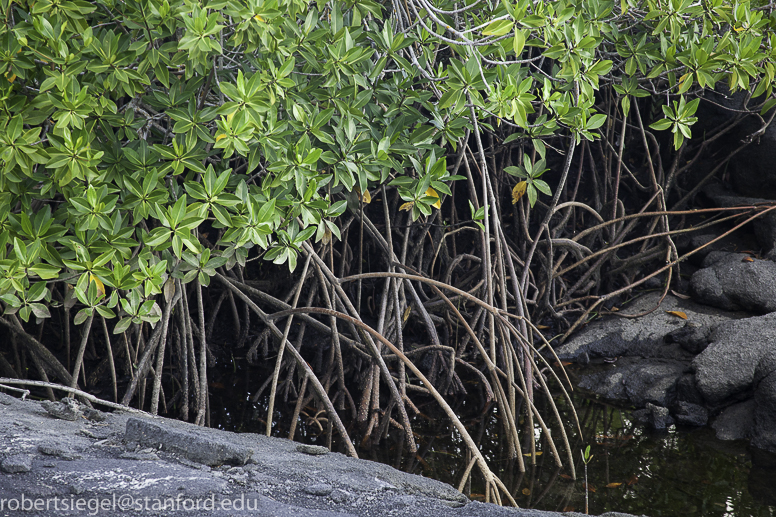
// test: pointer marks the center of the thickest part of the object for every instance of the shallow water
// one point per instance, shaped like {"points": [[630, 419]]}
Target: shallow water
{"points": [[682, 472]]}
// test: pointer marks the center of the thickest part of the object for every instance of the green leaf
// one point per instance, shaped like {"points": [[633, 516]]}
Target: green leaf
{"points": [[519, 42], [105, 312], [40, 311], [498, 28], [122, 325], [767, 106], [304, 235], [596, 121], [661, 125], [82, 315]]}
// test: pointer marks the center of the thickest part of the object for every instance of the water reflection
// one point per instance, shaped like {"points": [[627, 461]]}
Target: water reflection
{"points": [[679, 472]]}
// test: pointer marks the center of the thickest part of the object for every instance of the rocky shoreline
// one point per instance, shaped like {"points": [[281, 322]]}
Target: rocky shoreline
{"points": [[60, 459], [707, 356]]}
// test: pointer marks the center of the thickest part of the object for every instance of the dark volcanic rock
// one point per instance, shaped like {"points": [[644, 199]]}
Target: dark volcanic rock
{"points": [[17, 463], [764, 430], [687, 390], [654, 381], [693, 337], [735, 422], [735, 281], [634, 380], [687, 413], [656, 417], [727, 366], [644, 336], [278, 480], [191, 444]]}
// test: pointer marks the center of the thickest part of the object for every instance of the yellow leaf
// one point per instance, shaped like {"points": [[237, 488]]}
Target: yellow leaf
{"points": [[678, 314], [538, 453], [230, 116], [406, 314], [367, 197], [100, 285], [12, 78], [747, 259], [219, 137], [433, 193], [518, 191], [258, 18], [407, 206], [613, 485], [526, 491]]}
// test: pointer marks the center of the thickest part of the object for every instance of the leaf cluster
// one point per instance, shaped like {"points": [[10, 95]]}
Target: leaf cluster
{"points": [[153, 139]]}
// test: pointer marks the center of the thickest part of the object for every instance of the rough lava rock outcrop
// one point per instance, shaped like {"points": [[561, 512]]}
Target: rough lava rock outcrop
{"points": [[736, 281], [727, 366], [715, 365], [644, 336], [133, 464]]}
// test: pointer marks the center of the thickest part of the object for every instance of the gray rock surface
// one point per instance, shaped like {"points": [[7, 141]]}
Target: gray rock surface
{"points": [[736, 281], [764, 428], [644, 336], [17, 463], [687, 413], [735, 422], [656, 417], [653, 381], [654, 364], [655, 351], [727, 366], [138, 465], [194, 444], [634, 380]]}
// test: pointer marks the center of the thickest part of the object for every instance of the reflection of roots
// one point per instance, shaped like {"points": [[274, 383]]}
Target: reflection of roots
{"points": [[316, 419]]}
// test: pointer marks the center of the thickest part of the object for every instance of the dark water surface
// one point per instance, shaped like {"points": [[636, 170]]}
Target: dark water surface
{"points": [[682, 472]]}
